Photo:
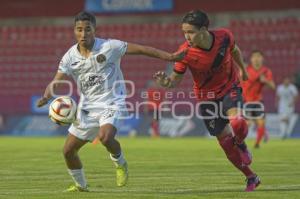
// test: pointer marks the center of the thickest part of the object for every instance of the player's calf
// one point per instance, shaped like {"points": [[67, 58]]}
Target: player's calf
{"points": [[245, 154], [240, 130], [107, 138], [233, 154], [111, 144]]}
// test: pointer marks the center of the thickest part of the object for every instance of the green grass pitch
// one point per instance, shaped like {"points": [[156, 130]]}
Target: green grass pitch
{"points": [[159, 168]]}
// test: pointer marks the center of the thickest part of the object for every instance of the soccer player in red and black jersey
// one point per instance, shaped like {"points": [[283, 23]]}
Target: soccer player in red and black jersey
{"points": [[211, 57], [259, 76]]}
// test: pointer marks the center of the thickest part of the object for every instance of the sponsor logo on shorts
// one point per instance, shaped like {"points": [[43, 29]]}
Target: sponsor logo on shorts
{"points": [[212, 124], [108, 113]]}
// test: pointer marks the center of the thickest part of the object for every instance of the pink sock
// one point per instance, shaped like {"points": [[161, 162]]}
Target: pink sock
{"points": [[233, 155], [260, 134]]}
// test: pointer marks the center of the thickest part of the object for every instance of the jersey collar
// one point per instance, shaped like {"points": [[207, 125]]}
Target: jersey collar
{"points": [[212, 43], [93, 49]]}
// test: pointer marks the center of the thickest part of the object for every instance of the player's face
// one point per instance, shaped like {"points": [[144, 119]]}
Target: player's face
{"points": [[257, 60], [192, 34], [286, 81], [84, 33]]}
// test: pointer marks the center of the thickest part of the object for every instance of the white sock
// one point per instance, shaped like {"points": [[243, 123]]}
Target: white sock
{"points": [[78, 177], [289, 129], [118, 161], [283, 128]]}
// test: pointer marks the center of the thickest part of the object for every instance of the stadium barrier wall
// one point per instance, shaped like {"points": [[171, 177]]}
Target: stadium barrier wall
{"points": [[40, 125]]}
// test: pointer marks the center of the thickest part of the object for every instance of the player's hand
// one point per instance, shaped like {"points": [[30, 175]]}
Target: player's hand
{"points": [[178, 56], [42, 101], [161, 78], [262, 79]]}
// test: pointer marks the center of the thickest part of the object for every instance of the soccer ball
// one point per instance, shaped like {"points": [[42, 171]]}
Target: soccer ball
{"points": [[62, 110]]}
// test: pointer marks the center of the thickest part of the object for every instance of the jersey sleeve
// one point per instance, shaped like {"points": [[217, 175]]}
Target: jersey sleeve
{"points": [[181, 66], [269, 75], [294, 90], [64, 64], [118, 47]]}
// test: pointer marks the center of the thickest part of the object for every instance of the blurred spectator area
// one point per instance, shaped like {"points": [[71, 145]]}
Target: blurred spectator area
{"points": [[29, 55], [278, 39]]}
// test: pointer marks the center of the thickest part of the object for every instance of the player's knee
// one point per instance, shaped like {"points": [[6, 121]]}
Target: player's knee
{"points": [[238, 122], [107, 136], [105, 139], [239, 126], [68, 152]]}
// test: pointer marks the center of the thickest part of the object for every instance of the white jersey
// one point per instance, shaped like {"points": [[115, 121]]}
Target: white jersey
{"points": [[98, 77], [286, 95]]}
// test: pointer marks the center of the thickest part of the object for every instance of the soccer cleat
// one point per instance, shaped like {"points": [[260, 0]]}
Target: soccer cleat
{"points": [[75, 188], [244, 153], [122, 174], [252, 183]]}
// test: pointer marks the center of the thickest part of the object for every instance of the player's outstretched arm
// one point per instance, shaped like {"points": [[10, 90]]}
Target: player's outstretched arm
{"points": [[136, 49], [238, 58], [268, 82], [166, 81], [52, 86]]}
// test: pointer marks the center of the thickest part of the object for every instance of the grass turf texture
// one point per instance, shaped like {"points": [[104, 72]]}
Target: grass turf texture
{"points": [[159, 168]]}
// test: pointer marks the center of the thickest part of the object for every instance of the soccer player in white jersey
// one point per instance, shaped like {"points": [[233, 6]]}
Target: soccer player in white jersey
{"points": [[94, 64], [286, 96]]}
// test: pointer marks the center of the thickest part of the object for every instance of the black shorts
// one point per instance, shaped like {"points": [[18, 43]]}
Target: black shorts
{"points": [[254, 109], [217, 122]]}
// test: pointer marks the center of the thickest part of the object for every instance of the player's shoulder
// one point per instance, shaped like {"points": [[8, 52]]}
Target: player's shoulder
{"points": [[250, 68], [70, 54], [114, 42], [100, 43], [222, 31], [294, 87], [71, 51], [266, 69], [280, 87], [183, 46]]}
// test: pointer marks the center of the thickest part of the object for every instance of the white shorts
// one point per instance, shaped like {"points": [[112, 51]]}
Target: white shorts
{"points": [[286, 112], [285, 116], [87, 125]]}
